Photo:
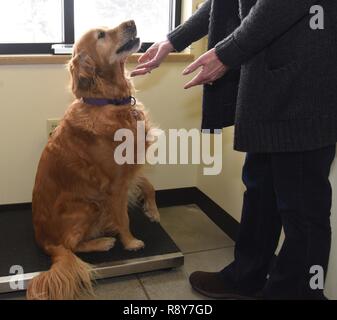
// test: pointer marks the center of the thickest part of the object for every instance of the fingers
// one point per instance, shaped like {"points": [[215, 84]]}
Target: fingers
{"points": [[199, 79], [145, 57], [145, 68], [148, 61], [192, 67], [148, 55], [140, 72], [212, 70], [154, 63]]}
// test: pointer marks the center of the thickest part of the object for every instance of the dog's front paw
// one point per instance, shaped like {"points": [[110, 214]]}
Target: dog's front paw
{"points": [[135, 245]]}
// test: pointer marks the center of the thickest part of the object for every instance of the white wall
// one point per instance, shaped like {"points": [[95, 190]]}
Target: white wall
{"points": [[29, 95], [171, 107], [227, 188]]}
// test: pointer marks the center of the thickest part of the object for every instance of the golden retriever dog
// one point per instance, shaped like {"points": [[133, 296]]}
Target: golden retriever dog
{"points": [[81, 194]]}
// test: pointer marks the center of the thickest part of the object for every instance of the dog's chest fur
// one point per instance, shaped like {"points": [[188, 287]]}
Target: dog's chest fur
{"points": [[89, 134]]}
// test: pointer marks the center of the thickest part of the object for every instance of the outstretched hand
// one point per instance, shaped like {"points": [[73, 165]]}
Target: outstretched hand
{"points": [[152, 58], [212, 69]]}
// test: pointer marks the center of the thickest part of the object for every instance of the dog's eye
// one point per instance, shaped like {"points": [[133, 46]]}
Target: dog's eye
{"points": [[101, 35]]}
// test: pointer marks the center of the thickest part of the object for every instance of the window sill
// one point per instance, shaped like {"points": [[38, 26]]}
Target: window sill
{"points": [[63, 59]]}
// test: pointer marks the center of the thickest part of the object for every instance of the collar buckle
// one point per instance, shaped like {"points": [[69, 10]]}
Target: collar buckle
{"points": [[133, 101]]}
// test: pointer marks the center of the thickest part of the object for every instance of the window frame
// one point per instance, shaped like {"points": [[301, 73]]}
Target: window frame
{"points": [[69, 32]]}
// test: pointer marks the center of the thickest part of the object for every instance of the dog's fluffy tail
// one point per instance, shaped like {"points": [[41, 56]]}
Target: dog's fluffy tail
{"points": [[68, 278]]}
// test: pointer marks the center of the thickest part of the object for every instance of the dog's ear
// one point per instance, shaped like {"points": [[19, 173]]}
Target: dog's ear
{"points": [[83, 71]]}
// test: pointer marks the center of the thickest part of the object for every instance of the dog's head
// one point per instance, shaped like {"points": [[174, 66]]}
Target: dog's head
{"points": [[99, 56]]}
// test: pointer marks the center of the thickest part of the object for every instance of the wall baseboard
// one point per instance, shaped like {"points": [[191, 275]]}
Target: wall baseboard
{"points": [[177, 197], [15, 206]]}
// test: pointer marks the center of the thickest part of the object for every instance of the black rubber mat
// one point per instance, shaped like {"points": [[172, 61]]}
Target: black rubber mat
{"points": [[17, 245]]}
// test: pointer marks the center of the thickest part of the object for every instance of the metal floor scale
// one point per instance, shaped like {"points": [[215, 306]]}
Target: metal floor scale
{"points": [[18, 250]]}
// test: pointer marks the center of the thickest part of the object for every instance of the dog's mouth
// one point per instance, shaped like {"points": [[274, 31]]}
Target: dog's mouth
{"points": [[131, 45]]}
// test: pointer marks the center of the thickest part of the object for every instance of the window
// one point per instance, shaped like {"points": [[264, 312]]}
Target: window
{"points": [[33, 26], [152, 17], [31, 21]]}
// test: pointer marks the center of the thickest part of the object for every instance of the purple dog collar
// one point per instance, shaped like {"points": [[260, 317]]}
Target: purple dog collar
{"points": [[117, 102]]}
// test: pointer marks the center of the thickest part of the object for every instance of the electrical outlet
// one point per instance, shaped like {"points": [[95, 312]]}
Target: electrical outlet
{"points": [[52, 124]]}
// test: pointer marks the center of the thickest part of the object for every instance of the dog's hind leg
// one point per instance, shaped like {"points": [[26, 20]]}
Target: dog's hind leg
{"points": [[149, 194], [96, 245]]}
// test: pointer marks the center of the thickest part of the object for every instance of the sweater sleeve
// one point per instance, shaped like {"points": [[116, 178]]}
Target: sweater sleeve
{"points": [[193, 29], [267, 20]]}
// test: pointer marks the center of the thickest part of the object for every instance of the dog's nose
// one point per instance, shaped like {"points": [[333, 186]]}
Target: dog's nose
{"points": [[130, 26]]}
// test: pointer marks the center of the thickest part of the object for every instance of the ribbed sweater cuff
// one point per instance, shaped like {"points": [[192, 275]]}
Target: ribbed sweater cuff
{"points": [[230, 53], [178, 39]]}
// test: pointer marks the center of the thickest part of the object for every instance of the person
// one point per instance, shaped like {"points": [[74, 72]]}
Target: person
{"points": [[273, 76]]}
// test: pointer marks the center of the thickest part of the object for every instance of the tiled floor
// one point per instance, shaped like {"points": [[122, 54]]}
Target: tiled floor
{"points": [[205, 247]]}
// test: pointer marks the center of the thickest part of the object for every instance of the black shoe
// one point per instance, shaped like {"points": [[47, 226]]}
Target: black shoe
{"points": [[214, 285]]}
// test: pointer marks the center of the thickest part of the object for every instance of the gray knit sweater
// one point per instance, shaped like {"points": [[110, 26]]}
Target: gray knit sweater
{"points": [[286, 96]]}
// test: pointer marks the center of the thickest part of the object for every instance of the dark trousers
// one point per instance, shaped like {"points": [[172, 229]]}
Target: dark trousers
{"points": [[289, 190]]}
